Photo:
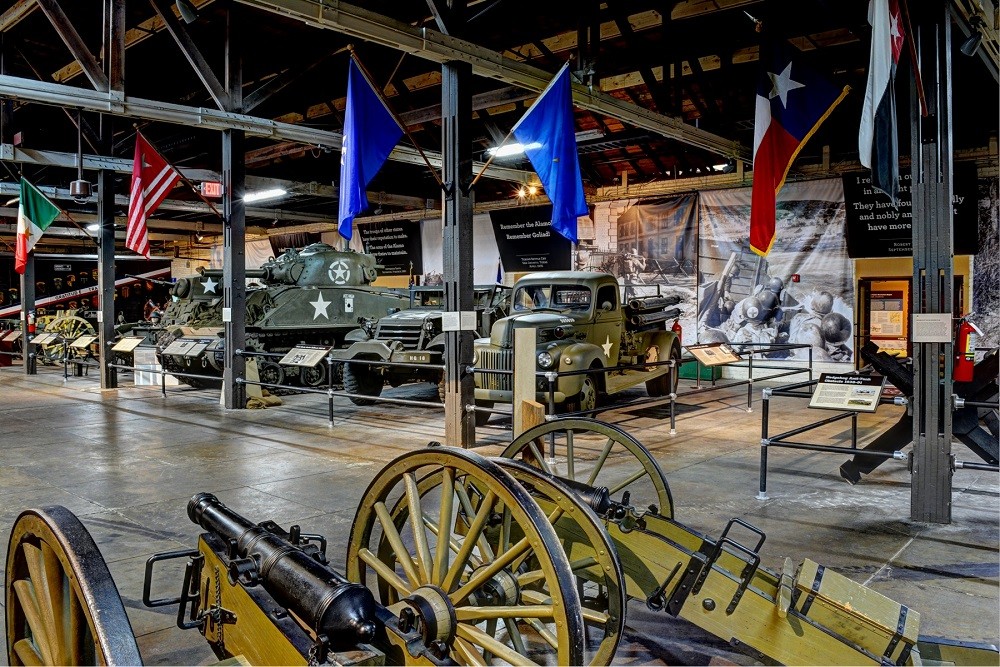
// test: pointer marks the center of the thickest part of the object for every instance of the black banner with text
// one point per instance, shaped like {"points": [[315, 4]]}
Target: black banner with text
{"points": [[527, 241], [396, 246], [876, 229]]}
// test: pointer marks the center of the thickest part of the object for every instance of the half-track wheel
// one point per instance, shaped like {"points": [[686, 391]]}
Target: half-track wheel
{"points": [[597, 454], [501, 590], [313, 376], [62, 606], [592, 557]]}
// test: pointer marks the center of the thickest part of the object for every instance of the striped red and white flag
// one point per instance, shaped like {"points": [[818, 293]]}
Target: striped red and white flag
{"points": [[152, 180]]}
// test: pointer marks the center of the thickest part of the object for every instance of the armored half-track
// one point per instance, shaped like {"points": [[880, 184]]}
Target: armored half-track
{"points": [[313, 296]]}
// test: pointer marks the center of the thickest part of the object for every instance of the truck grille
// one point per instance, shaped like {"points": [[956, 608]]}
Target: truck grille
{"points": [[501, 360], [410, 335]]}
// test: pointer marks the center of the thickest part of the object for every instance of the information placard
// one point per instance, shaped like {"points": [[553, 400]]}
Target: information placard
{"points": [[12, 335], [45, 339], [714, 354], [304, 356], [853, 393], [931, 328], [82, 342], [180, 347], [128, 344], [196, 349]]}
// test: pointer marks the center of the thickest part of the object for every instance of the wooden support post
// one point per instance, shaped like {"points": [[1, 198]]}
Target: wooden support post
{"points": [[524, 376]]}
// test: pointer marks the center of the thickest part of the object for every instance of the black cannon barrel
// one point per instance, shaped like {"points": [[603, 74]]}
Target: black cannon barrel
{"points": [[653, 318], [320, 596], [641, 303]]}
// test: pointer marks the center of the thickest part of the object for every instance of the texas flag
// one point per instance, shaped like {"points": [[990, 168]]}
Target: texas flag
{"points": [[877, 143], [792, 102]]}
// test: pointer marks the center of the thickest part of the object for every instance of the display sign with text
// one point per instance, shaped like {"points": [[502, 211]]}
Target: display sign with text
{"points": [[12, 336], [876, 229], [396, 246], [128, 344], [527, 242], [852, 393], [304, 356], [82, 342], [714, 354], [45, 339]]}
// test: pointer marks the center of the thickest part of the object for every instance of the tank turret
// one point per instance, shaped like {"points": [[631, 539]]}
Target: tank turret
{"points": [[312, 296]]}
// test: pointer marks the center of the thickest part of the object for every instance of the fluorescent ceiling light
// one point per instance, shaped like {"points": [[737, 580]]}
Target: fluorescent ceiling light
{"points": [[264, 194], [507, 150], [93, 227], [588, 135]]}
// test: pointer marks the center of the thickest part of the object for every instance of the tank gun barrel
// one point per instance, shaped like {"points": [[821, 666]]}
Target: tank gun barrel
{"points": [[217, 273], [155, 281], [325, 601]]}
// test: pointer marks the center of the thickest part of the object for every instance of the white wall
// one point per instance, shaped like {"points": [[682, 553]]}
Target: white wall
{"points": [[485, 253]]}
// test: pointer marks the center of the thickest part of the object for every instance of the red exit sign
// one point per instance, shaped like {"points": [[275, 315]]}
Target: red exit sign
{"points": [[211, 189]]}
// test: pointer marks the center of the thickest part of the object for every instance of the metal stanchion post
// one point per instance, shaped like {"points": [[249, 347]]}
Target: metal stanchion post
{"points": [[551, 377], [329, 389], [750, 383], [697, 374], [163, 381], [810, 363], [854, 430], [764, 409], [674, 371], [65, 361]]}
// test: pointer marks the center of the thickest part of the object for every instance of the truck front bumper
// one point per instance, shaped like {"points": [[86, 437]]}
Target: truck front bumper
{"points": [[503, 396]]}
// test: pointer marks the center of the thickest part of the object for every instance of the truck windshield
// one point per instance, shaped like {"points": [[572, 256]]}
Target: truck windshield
{"points": [[558, 297]]}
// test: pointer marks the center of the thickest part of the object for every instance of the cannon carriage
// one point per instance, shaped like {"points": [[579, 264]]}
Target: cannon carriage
{"points": [[454, 558]]}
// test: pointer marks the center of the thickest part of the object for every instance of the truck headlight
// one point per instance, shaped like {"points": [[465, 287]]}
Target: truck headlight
{"points": [[475, 357], [429, 325], [544, 359]]}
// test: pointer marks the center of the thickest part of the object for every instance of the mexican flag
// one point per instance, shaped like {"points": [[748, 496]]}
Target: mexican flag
{"points": [[34, 215]]}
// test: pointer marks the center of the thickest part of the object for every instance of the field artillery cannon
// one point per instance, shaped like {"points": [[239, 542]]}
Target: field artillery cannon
{"points": [[524, 559]]}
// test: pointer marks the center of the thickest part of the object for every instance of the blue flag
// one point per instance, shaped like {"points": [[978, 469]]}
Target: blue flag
{"points": [[548, 135], [370, 134]]}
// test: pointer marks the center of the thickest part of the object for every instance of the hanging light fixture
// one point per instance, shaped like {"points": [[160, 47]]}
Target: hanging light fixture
{"points": [[188, 12], [80, 190]]}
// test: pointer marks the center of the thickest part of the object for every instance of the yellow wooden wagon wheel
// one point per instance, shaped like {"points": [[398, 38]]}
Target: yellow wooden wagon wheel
{"points": [[62, 606], [480, 570], [592, 557], [69, 327], [597, 454]]}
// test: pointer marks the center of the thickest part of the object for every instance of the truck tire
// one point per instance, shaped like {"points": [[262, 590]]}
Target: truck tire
{"points": [[588, 398], [660, 386], [359, 379]]}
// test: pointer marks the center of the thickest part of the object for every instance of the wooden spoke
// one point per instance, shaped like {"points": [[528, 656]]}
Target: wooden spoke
{"points": [[595, 616], [582, 563], [447, 501], [528, 578], [479, 638], [396, 542], [533, 447], [468, 653], [382, 570], [515, 636], [600, 461], [48, 590], [543, 632], [476, 614], [417, 525], [26, 596], [482, 575], [26, 653], [639, 474], [453, 543], [464, 555], [463, 497]]}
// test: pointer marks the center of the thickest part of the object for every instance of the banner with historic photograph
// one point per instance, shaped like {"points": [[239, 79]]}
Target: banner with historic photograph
{"points": [[986, 267], [802, 292], [656, 253]]}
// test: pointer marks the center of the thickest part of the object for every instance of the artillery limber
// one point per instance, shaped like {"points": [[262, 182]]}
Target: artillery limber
{"points": [[529, 558]]}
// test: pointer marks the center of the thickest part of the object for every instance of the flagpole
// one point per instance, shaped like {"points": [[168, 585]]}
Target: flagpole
{"points": [[913, 59], [365, 73], [490, 159], [77, 225], [180, 174]]}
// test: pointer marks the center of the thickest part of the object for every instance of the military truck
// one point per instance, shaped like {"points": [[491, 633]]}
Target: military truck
{"points": [[412, 336], [314, 296], [581, 324]]}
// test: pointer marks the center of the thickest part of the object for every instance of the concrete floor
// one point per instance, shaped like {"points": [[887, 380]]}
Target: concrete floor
{"points": [[126, 462]]}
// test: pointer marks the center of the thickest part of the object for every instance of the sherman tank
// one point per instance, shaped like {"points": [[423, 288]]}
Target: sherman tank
{"points": [[313, 296]]}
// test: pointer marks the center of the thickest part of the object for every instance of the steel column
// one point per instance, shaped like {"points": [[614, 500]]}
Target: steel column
{"points": [[106, 263], [234, 228], [456, 107], [933, 249], [28, 313]]}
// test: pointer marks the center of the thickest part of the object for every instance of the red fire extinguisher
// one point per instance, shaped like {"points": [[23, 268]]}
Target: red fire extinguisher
{"points": [[676, 328], [965, 350], [31, 321]]}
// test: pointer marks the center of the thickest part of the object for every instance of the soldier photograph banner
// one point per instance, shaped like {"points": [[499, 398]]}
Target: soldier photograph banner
{"points": [[396, 246], [802, 292], [876, 229], [527, 242]]}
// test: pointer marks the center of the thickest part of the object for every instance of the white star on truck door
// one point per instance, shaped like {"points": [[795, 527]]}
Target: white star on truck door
{"points": [[320, 305], [209, 285], [608, 346]]}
